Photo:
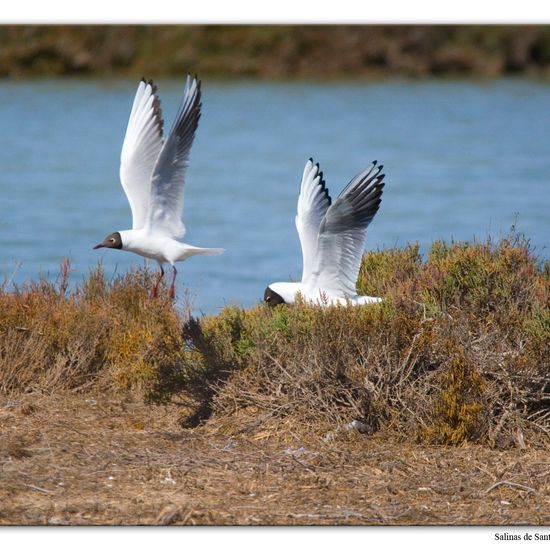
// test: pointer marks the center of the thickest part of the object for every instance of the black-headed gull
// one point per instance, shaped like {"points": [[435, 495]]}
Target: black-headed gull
{"points": [[152, 173], [332, 236]]}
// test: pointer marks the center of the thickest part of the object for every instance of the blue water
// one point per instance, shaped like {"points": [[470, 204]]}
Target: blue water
{"points": [[462, 160]]}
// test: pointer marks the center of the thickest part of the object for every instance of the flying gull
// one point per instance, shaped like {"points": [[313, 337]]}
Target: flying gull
{"points": [[332, 236], [152, 173]]}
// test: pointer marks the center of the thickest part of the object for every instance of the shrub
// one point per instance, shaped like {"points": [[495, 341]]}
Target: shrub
{"points": [[107, 332], [456, 352]]}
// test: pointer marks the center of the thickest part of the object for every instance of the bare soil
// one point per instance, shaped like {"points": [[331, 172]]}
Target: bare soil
{"points": [[109, 459]]}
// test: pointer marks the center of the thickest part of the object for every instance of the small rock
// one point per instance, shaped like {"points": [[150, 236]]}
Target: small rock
{"points": [[361, 427]]}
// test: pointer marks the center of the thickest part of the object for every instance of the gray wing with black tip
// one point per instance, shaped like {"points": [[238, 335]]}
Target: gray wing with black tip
{"points": [[343, 231], [313, 203], [140, 149], [168, 178]]}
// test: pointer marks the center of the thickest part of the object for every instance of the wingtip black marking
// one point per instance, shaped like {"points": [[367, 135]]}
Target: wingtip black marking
{"points": [[198, 92], [324, 189], [157, 108], [154, 87]]}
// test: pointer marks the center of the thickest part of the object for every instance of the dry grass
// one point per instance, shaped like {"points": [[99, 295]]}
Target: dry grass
{"points": [[432, 407], [104, 332], [93, 459], [457, 351]]}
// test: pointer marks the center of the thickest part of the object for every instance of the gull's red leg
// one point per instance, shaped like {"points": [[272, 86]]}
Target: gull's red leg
{"points": [[172, 286], [154, 291]]}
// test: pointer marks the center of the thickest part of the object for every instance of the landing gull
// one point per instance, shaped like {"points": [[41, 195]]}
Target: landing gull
{"points": [[152, 173], [332, 236]]}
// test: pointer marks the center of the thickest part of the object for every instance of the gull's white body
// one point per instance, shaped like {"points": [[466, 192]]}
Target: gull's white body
{"points": [[291, 292], [332, 237], [161, 248], [152, 174]]}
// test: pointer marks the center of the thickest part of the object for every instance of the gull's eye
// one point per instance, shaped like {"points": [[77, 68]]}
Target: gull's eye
{"points": [[268, 298], [111, 240]]}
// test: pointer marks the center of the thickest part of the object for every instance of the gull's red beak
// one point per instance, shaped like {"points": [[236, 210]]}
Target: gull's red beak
{"points": [[100, 245]]}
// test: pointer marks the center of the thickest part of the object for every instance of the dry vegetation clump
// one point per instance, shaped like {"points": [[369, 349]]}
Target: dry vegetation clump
{"points": [[106, 332], [458, 351], [274, 51]]}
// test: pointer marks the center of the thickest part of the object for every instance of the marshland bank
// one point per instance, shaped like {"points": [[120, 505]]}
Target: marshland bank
{"points": [[89, 459], [275, 51], [119, 409]]}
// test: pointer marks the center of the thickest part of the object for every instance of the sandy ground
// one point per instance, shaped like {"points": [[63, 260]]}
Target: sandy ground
{"points": [[105, 459]]}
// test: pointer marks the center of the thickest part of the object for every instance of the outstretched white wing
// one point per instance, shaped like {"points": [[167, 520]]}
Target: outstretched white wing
{"points": [[141, 147], [342, 234], [313, 203], [168, 178]]}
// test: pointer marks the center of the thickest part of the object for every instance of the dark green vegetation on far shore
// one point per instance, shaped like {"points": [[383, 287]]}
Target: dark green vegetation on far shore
{"points": [[457, 352], [274, 51]]}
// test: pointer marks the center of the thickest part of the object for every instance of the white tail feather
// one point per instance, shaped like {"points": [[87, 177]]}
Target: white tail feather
{"points": [[211, 251]]}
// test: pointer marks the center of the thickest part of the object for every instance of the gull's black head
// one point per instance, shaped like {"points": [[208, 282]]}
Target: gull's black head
{"points": [[272, 299], [113, 240]]}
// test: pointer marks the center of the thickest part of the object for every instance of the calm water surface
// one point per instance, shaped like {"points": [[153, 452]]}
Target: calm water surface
{"points": [[462, 160]]}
